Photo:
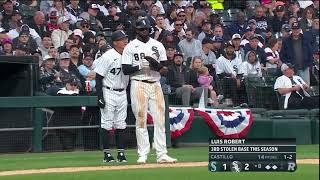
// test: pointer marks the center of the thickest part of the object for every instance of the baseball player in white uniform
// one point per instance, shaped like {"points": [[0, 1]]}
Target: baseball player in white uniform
{"points": [[141, 60], [111, 86]]}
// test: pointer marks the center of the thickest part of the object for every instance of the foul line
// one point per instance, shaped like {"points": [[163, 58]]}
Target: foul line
{"points": [[122, 167]]}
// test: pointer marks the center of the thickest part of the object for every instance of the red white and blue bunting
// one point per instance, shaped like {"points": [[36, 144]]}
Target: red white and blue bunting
{"points": [[224, 123], [233, 123], [180, 120]]}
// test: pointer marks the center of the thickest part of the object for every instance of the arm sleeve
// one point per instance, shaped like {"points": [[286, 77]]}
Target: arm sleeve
{"points": [[129, 69], [99, 85], [127, 64]]}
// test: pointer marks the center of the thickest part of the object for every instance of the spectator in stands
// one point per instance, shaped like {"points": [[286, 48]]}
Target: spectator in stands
{"points": [[59, 36], [14, 21], [95, 24], [67, 44], [65, 73], [197, 22], [206, 31], [293, 90], [53, 52], [49, 77], [189, 46], [153, 12], [297, 49], [70, 88], [86, 69], [7, 49], [190, 13], [207, 56], [46, 43], [28, 8], [253, 46], [217, 47], [75, 59], [160, 29], [85, 27], [307, 19], [183, 81], [77, 37], [178, 32], [236, 40], [13, 33], [26, 40], [45, 6], [74, 9], [170, 50], [227, 69], [251, 67], [214, 19], [89, 41], [218, 32], [114, 20], [205, 80], [294, 9], [279, 19], [285, 30], [7, 11], [21, 50], [272, 55], [238, 27], [38, 23], [261, 19], [59, 7], [52, 24], [181, 16]]}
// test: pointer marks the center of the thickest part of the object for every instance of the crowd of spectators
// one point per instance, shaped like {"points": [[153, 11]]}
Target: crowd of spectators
{"points": [[233, 39]]}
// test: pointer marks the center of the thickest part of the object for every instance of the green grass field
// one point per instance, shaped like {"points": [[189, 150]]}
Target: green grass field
{"points": [[94, 158]]}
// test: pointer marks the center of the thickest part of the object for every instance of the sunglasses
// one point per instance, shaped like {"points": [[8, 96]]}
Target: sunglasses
{"points": [[178, 24], [131, 9], [182, 15], [85, 26]]}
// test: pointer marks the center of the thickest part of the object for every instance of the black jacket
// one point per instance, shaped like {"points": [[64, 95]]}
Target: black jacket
{"points": [[190, 77]]}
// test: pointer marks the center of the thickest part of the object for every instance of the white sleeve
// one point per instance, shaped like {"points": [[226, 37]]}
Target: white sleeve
{"points": [[126, 56], [102, 66], [280, 83], [259, 69], [55, 39], [162, 52], [244, 69], [219, 67]]}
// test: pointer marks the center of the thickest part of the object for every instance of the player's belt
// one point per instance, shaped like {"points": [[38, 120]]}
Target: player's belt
{"points": [[119, 90], [146, 81]]}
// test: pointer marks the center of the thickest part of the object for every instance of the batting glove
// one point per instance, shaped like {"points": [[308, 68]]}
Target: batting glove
{"points": [[101, 103], [154, 65]]}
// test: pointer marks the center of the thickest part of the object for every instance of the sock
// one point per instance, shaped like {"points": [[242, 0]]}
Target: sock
{"points": [[120, 139], [105, 140]]}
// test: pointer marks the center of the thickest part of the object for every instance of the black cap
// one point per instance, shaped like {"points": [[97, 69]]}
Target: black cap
{"points": [[205, 22], [207, 40], [71, 80], [177, 53], [248, 28], [286, 27], [280, 8], [24, 33], [16, 12], [87, 54], [255, 36], [22, 47], [228, 44], [118, 35], [142, 23], [295, 25]]}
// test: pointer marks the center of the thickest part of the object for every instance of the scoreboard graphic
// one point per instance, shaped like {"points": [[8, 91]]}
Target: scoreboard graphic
{"points": [[245, 155]]}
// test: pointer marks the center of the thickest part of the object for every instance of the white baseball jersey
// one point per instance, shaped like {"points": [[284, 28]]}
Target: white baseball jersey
{"points": [[249, 69], [109, 66], [134, 53], [226, 66]]}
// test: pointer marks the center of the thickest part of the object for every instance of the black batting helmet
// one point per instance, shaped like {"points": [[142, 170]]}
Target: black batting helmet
{"points": [[142, 23]]}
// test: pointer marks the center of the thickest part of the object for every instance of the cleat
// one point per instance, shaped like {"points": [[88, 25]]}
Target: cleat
{"points": [[166, 159], [142, 160], [121, 157], [108, 158]]}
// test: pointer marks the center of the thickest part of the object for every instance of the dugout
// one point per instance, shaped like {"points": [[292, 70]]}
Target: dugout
{"points": [[18, 77]]}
